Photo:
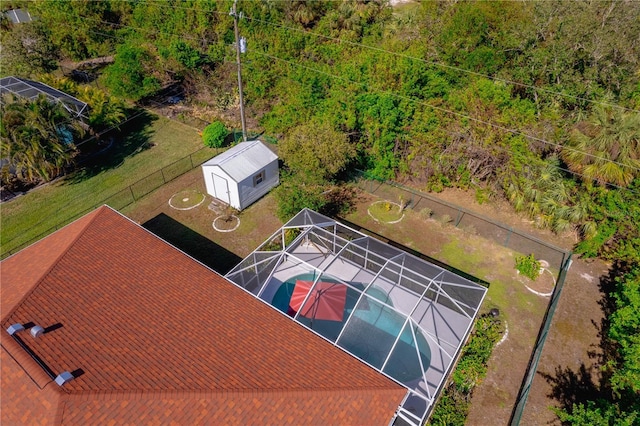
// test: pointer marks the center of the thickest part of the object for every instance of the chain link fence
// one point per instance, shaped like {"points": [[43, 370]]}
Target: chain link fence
{"points": [[130, 194], [475, 223], [532, 367], [559, 260]]}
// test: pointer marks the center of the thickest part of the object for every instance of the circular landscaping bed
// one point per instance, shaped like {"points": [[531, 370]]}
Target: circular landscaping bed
{"points": [[543, 285], [386, 212], [226, 223], [187, 199]]}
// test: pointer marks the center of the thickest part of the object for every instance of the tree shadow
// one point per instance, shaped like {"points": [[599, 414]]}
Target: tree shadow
{"points": [[113, 147], [195, 245], [570, 387]]}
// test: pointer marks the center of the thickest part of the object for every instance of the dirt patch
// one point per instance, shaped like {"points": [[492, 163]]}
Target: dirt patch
{"points": [[521, 309], [570, 355], [543, 285], [226, 223], [257, 222], [570, 359], [404, 232]]}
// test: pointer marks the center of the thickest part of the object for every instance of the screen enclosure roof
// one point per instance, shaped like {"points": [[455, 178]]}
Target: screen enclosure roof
{"points": [[403, 316], [30, 90]]}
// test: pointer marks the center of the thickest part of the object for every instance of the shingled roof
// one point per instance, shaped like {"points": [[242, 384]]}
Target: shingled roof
{"points": [[154, 336]]}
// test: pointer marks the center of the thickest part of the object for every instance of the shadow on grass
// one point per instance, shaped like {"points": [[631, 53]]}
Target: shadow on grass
{"points": [[592, 383], [132, 137], [570, 387], [195, 245]]}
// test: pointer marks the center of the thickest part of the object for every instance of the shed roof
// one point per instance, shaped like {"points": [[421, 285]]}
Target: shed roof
{"points": [[160, 338], [243, 160]]}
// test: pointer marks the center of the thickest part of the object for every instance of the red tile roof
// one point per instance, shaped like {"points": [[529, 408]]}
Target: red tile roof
{"points": [[161, 338]]}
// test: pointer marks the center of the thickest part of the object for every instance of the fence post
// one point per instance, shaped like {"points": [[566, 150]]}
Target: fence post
{"points": [[132, 196], [459, 217], [162, 174], [506, 241]]}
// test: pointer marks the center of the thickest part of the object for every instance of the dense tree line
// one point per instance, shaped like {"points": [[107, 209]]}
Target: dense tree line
{"points": [[533, 101]]}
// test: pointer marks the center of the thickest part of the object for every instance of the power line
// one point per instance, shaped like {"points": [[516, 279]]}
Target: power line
{"points": [[402, 55], [438, 64], [458, 114], [501, 148]]}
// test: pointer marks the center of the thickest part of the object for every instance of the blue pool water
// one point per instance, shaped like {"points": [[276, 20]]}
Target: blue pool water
{"points": [[371, 332]]}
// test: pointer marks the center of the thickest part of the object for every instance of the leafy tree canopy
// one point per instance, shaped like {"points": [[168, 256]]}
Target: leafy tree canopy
{"points": [[129, 76], [27, 50], [316, 150]]}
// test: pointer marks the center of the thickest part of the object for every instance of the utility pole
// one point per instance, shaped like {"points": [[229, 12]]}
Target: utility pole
{"points": [[234, 13]]}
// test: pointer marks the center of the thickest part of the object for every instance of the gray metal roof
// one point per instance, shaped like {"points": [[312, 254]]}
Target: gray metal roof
{"points": [[29, 89], [243, 160], [18, 16]]}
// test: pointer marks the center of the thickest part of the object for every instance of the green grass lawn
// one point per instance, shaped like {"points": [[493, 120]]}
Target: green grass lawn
{"points": [[143, 146]]}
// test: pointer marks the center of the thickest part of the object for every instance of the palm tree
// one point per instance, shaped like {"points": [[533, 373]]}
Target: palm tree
{"points": [[548, 198], [37, 138], [606, 148], [304, 12], [105, 111]]}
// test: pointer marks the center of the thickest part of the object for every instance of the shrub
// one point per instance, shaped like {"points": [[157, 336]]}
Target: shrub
{"points": [[482, 195], [528, 266], [294, 194], [453, 406], [445, 219], [213, 135], [426, 213]]}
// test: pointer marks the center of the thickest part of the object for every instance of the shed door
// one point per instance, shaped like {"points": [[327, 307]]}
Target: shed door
{"points": [[221, 188]]}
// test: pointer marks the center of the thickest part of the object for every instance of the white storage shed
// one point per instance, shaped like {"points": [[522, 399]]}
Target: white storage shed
{"points": [[242, 174]]}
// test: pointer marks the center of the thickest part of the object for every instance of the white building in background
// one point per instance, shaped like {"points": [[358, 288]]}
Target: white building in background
{"points": [[242, 174]]}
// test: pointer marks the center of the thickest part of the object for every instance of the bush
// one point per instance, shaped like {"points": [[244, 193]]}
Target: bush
{"points": [[213, 135], [128, 76], [453, 406], [445, 219], [294, 194], [426, 213], [528, 266]]}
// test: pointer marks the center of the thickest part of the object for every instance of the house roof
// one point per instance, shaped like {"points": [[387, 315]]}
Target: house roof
{"points": [[154, 336], [243, 160]]}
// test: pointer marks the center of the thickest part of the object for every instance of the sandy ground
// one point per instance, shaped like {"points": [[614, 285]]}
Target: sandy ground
{"points": [[569, 362]]}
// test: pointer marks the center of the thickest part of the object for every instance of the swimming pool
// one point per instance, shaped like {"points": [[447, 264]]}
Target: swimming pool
{"points": [[372, 331]]}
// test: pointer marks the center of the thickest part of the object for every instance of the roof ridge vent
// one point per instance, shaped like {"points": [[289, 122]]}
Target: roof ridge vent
{"points": [[36, 331], [14, 328], [64, 377]]}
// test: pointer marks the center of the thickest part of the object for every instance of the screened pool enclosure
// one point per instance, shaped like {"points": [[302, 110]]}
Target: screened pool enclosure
{"points": [[402, 315]]}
